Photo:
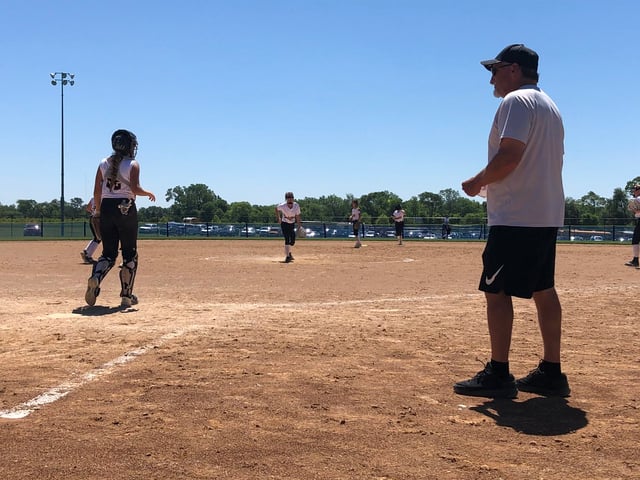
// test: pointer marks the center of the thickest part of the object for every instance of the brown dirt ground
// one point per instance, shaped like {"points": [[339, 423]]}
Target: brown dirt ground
{"points": [[338, 366]]}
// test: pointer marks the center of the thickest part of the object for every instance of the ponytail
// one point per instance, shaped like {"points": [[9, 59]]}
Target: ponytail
{"points": [[114, 168]]}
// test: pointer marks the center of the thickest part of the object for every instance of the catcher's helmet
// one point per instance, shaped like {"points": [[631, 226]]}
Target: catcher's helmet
{"points": [[125, 143]]}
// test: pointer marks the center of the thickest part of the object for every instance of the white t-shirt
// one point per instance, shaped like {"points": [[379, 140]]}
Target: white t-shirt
{"points": [[398, 215], [122, 187], [288, 214], [532, 195], [355, 214], [634, 206]]}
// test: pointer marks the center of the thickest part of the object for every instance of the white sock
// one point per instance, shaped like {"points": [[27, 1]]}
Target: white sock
{"points": [[91, 248]]}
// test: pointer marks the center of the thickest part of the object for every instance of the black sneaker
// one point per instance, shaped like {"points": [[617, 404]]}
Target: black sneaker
{"points": [[288, 259], [128, 302], [93, 290], [544, 384], [86, 258], [487, 383], [632, 263]]}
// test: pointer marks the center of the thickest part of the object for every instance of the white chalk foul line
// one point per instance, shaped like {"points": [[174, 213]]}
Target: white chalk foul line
{"points": [[65, 388]]}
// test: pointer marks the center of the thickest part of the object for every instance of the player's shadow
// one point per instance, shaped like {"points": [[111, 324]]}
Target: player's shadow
{"points": [[99, 310], [535, 416]]}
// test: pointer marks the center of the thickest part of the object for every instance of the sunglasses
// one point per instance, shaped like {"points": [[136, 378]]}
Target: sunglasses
{"points": [[495, 68]]}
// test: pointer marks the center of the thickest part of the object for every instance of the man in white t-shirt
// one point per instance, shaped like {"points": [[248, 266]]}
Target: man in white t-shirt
{"points": [[525, 207], [288, 214]]}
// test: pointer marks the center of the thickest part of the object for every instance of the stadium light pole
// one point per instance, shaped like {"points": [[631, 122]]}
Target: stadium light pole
{"points": [[63, 78]]}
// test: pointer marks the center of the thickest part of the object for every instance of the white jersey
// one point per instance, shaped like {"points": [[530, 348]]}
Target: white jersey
{"points": [[288, 214], [532, 195], [634, 206], [122, 186], [398, 215], [355, 214]]}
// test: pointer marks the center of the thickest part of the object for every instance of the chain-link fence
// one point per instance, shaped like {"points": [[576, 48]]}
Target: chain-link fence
{"points": [[315, 229]]}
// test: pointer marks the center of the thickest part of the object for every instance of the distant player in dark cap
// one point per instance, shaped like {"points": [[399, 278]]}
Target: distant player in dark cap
{"points": [[288, 214]]}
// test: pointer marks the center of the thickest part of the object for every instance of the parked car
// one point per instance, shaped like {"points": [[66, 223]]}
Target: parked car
{"points": [[596, 238], [149, 228], [193, 228], [210, 231], [175, 228], [268, 231], [228, 231], [429, 236], [339, 232], [414, 233], [32, 230]]}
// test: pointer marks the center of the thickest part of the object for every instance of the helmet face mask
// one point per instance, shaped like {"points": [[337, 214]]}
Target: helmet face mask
{"points": [[125, 143]]}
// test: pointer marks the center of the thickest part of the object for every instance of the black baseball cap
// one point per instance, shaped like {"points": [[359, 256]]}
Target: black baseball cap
{"points": [[516, 53]]}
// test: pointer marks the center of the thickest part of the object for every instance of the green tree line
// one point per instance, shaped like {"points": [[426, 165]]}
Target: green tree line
{"points": [[201, 202]]}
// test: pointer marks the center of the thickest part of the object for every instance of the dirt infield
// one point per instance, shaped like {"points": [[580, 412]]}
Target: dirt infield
{"points": [[339, 365]]}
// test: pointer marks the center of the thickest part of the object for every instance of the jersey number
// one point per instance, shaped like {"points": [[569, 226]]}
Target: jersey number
{"points": [[115, 187]]}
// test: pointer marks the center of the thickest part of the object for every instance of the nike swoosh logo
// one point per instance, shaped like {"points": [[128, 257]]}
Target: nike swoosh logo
{"points": [[490, 280]]}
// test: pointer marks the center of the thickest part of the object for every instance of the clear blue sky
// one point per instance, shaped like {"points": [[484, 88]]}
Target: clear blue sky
{"points": [[256, 97]]}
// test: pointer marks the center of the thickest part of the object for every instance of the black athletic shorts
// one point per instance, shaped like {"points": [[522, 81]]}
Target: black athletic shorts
{"points": [[519, 260], [289, 233], [118, 229], [636, 233]]}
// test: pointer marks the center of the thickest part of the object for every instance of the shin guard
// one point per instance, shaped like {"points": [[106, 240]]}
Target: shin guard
{"points": [[102, 267], [128, 275]]}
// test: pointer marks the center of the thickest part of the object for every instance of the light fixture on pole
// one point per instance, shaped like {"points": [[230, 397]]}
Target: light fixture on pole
{"points": [[63, 78]]}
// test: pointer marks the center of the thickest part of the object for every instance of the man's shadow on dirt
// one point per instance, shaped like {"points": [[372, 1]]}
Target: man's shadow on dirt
{"points": [[100, 310], [535, 416]]}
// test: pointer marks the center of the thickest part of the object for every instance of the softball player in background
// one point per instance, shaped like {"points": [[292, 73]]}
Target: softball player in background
{"points": [[398, 218], [634, 206], [354, 218], [94, 225], [287, 214]]}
